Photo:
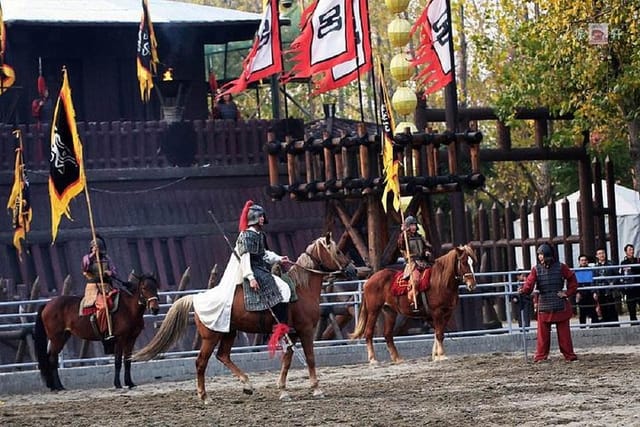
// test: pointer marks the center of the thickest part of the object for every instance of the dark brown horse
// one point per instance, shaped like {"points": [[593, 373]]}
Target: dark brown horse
{"points": [[447, 273], [58, 319], [320, 258]]}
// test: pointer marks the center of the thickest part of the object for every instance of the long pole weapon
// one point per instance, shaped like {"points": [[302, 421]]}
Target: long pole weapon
{"points": [[287, 338]]}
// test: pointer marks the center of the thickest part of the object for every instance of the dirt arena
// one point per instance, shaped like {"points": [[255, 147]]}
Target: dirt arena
{"points": [[601, 389]]}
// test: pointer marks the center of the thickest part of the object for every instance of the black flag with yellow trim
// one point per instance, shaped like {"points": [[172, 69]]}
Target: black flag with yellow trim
{"points": [[7, 74], [147, 58], [19, 200], [66, 168]]}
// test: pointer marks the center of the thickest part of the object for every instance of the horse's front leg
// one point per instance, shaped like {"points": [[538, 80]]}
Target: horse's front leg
{"points": [[117, 364], [224, 356], [309, 354], [437, 352], [390, 317], [126, 353]]}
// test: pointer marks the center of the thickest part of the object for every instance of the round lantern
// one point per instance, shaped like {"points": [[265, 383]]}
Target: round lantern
{"points": [[404, 101], [400, 68], [396, 6], [398, 31], [400, 127]]}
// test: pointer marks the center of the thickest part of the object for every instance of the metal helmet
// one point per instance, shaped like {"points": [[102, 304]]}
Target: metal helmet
{"points": [[410, 220], [546, 251], [99, 242], [254, 214]]}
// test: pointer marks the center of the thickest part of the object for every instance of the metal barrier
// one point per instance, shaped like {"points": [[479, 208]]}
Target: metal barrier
{"points": [[506, 289]]}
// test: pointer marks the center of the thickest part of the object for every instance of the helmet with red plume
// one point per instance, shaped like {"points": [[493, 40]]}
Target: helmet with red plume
{"points": [[243, 225]]}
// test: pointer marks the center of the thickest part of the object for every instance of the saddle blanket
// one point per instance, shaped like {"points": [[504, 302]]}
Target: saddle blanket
{"points": [[401, 287], [112, 302]]}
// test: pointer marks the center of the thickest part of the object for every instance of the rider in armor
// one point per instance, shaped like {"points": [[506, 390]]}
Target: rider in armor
{"points": [[418, 255], [95, 262], [262, 289], [549, 277]]}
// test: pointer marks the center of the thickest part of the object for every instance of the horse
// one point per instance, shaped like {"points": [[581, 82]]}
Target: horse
{"points": [[59, 318], [321, 258], [448, 271]]}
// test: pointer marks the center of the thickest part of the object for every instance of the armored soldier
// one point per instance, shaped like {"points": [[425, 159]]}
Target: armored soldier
{"points": [[262, 289], [416, 251], [548, 276], [97, 261]]}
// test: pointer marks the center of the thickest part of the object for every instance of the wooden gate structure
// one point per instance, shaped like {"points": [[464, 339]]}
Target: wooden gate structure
{"points": [[346, 173]]}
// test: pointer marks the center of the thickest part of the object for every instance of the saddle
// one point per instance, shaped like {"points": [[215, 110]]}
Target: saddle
{"points": [[400, 286]]}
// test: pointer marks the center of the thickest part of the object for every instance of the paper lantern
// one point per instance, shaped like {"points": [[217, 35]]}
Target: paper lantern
{"points": [[404, 101], [398, 31], [396, 6], [400, 68]]}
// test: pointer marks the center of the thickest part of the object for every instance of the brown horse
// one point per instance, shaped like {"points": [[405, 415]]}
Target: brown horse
{"points": [[321, 257], [58, 319], [448, 271]]}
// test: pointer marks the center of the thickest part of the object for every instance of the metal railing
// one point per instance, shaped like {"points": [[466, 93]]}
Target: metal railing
{"points": [[501, 285]]}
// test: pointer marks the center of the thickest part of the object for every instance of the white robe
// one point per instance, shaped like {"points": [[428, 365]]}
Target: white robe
{"points": [[213, 306]]}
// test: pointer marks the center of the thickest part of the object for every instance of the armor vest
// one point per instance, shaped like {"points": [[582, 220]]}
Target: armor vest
{"points": [[550, 282], [255, 244], [416, 246], [93, 272]]}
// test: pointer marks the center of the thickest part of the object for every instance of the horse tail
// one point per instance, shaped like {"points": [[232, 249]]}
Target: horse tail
{"points": [[40, 345], [172, 328], [362, 321]]}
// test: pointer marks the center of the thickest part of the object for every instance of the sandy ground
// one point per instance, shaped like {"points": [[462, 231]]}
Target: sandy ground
{"points": [[601, 389]]}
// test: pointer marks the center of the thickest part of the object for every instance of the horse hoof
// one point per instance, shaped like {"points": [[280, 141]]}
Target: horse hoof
{"points": [[318, 394], [284, 396], [440, 358], [132, 385], [397, 361], [205, 401], [373, 362]]}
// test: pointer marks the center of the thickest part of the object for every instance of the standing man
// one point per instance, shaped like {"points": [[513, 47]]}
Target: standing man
{"points": [[632, 293], [585, 297], [548, 276], [606, 298]]}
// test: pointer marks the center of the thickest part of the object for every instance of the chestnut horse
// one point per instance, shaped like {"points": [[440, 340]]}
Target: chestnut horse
{"points": [[448, 271], [321, 257], [58, 319]]}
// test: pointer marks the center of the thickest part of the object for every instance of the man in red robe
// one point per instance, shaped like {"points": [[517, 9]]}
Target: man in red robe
{"points": [[553, 302]]}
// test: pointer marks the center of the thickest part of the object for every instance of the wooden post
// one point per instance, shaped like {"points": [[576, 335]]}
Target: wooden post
{"points": [[374, 219], [365, 171], [274, 174], [67, 284]]}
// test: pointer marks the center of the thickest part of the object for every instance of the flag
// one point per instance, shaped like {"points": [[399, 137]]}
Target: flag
{"points": [[325, 40], [342, 74], [7, 74], [147, 58], [390, 164], [265, 56], [434, 47], [19, 200], [66, 167]]}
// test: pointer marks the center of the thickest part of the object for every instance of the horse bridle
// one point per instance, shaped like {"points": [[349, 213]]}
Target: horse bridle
{"points": [[142, 300], [461, 278], [319, 263]]}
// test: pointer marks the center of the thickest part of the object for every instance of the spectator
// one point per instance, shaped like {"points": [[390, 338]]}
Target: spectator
{"points": [[585, 297], [632, 293], [605, 298], [523, 303], [226, 109]]}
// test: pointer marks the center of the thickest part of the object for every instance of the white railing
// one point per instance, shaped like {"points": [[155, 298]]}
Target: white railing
{"points": [[502, 285]]}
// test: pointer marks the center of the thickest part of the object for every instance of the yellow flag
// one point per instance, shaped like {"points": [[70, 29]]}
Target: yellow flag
{"points": [[19, 200], [147, 58], [390, 164], [66, 167]]}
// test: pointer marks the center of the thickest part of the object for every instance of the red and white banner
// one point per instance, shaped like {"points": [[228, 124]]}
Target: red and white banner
{"points": [[434, 50], [265, 57], [326, 38], [342, 74]]}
